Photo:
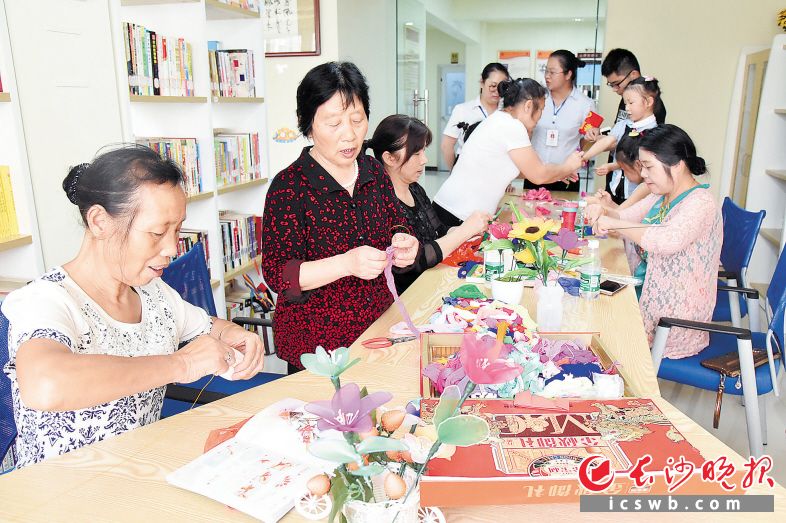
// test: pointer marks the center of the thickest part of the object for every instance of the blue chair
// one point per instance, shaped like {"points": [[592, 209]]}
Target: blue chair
{"points": [[7, 424], [188, 275], [723, 340], [740, 231]]}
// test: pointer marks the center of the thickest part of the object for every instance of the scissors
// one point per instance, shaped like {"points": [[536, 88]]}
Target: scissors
{"points": [[381, 343]]}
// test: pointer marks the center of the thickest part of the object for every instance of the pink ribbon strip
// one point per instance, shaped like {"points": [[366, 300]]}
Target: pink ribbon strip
{"points": [[392, 288]]}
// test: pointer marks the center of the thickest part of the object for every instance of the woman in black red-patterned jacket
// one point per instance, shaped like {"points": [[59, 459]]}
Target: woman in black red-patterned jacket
{"points": [[328, 220]]}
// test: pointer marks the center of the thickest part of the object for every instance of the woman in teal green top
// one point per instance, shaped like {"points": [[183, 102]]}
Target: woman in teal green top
{"points": [[679, 231]]}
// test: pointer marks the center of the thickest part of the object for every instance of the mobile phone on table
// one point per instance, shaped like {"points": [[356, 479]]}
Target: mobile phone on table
{"points": [[611, 287]]}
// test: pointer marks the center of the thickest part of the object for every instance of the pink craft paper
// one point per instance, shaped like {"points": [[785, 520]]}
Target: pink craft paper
{"points": [[528, 400], [392, 288]]}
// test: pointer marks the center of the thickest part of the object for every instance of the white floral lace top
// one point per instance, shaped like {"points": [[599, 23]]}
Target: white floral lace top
{"points": [[683, 258], [55, 307]]}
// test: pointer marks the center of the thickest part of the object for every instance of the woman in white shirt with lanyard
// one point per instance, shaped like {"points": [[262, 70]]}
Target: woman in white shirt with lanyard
{"points": [[472, 112], [498, 152], [557, 134]]}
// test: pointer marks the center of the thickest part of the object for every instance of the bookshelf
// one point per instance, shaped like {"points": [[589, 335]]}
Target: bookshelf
{"points": [[202, 115], [767, 185], [21, 258], [238, 271], [220, 11], [138, 98]]}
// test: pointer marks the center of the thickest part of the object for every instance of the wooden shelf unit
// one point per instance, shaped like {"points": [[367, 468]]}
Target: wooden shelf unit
{"points": [[780, 174], [215, 283], [238, 271], [238, 99], [140, 98], [15, 241], [223, 189], [220, 11], [772, 235], [199, 196]]}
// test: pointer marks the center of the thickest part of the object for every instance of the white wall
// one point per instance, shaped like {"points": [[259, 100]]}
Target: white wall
{"points": [[548, 36], [693, 49], [439, 47], [359, 19], [68, 110], [282, 76]]}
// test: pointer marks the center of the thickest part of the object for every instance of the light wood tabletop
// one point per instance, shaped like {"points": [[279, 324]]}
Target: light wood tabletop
{"points": [[123, 479]]}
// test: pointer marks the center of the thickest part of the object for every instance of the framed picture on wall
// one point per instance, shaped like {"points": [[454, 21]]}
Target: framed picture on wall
{"points": [[291, 28]]}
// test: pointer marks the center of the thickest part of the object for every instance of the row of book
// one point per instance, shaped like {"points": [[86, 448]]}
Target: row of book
{"points": [[241, 238], [9, 226], [157, 65], [188, 238], [183, 151], [231, 71], [237, 158]]}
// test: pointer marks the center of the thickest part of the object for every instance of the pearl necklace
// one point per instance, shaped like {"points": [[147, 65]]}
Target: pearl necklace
{"points": [[354, 178]]}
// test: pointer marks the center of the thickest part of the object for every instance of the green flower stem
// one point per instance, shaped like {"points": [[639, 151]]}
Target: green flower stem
{"points": [[336, 382]]}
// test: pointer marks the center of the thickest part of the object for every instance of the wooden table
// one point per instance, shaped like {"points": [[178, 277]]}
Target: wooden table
{"points": [[122, 479]]}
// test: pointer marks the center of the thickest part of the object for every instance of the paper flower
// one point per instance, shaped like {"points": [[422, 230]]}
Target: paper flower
{"points": [[525, 256], [347, 411], [500, 230], [533, 229], [327, 364], [480, 359], [567, 239]]}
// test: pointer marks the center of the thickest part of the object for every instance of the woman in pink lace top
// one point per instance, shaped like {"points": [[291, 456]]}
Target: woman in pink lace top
{"points": [[681, 247]]}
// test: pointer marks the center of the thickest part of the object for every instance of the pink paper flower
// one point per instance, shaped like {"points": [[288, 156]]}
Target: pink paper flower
{"points": [[482, 364], [500, 230]]}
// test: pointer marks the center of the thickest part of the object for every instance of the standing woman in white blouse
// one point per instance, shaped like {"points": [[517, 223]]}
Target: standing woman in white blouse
{"points": [[472, 112], [499, 152], [93, 343]]}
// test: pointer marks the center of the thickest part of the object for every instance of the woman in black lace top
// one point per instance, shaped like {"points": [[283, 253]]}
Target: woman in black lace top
{"points": [[400, 142]]}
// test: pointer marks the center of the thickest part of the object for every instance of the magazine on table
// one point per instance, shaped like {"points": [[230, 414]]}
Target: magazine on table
{"points": [[264, 468]]}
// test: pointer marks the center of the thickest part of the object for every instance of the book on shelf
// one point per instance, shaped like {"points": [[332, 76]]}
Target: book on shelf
{"points": [[237, 158], [249, 5], [241, 238], [231, 71], [188, 238], [157, 64], [263, 469], [184, 152], [9, 226]]}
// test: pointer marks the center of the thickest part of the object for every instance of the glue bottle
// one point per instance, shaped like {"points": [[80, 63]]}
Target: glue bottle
{"points": [[590, 272]]}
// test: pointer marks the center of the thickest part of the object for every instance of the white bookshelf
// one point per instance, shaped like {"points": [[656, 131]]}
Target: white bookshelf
{"points": [[20, 256], [197, 117], [767, 185]]}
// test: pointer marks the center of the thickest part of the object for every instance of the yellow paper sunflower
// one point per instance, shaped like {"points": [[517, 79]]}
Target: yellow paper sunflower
{"points": [[533, 229], [524, 256]]}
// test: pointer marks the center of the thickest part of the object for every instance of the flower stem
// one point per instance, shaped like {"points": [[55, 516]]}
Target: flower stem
{"points": [[336, 382]]}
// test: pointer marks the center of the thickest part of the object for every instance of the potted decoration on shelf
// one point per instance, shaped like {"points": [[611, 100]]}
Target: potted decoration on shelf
{"points": [[382, 455]]}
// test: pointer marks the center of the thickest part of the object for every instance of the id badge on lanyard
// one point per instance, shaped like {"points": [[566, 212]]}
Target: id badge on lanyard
{"points": [[552, 138]]}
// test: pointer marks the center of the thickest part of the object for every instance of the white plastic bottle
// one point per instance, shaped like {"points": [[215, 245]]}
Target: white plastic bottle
{"points": [[580, 217], [590, 272]]}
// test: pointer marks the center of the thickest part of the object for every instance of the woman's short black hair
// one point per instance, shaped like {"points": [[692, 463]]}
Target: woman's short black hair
{"points": [[397, 132], [671, 145], [620, 61], [321, 83], [491, 67], [569, 63], [113, 178], [520, 90]]}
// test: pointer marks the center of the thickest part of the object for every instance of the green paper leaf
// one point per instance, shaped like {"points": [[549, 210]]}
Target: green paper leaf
{"points": [[516, 212], [524, 271], [463, 430], [575, 263], [379, 444], [496, 245], [372, 469], [448, 401], [335, 450]]}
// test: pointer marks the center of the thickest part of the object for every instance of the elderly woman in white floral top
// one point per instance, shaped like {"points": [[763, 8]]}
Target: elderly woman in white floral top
{"points": [[93, 343]]}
